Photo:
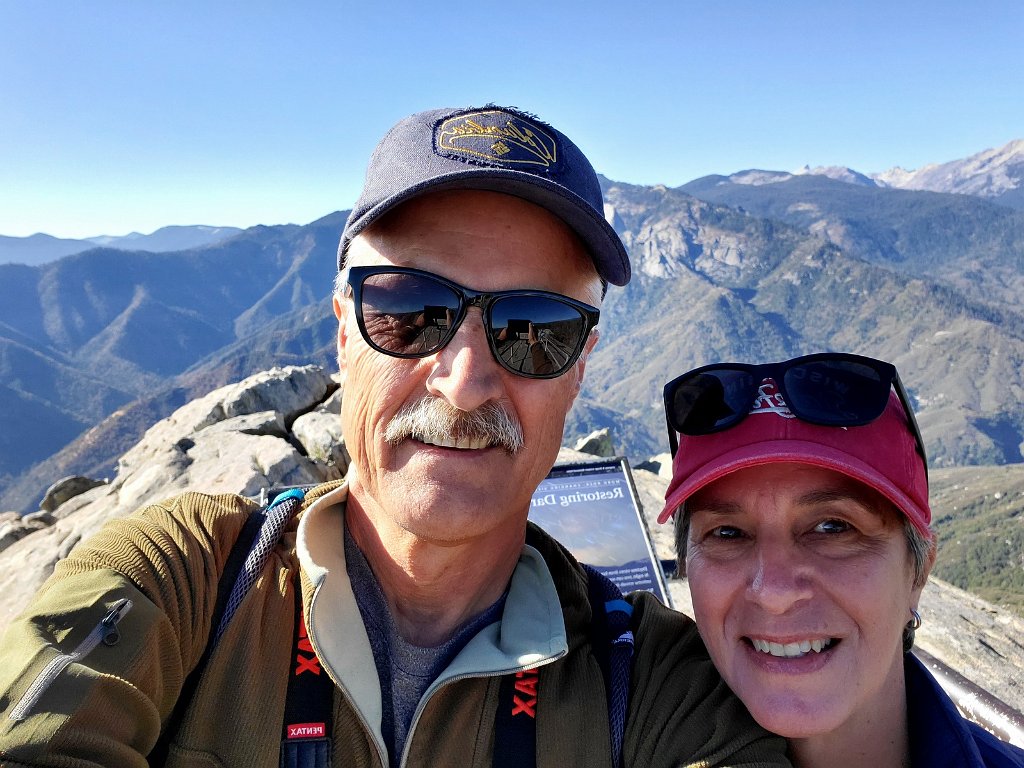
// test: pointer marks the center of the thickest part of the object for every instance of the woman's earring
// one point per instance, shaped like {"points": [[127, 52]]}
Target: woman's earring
{"points": [[908, 631], [914, 623]]}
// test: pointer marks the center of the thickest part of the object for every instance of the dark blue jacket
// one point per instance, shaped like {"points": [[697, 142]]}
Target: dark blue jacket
{"points": [[940, 737]]}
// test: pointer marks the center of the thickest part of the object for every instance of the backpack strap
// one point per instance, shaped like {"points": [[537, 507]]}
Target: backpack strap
{"points": [[309, 704], [515, 723], [612, 640], [515, 727], [241, 568], [275, 517]]}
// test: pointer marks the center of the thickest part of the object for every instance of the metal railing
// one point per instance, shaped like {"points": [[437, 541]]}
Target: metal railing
{"points": [[978, 705]]}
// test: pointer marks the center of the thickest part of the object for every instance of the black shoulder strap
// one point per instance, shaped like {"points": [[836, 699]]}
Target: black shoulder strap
{"points": [[515, 724], [240, 562], [515, 727], [309, 705]]}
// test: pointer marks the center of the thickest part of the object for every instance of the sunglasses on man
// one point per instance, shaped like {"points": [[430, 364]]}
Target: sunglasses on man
{"points": [[404, 312], [832, 389]]}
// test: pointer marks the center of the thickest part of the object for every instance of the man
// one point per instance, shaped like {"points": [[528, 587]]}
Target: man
{"points": [[471, 269]]}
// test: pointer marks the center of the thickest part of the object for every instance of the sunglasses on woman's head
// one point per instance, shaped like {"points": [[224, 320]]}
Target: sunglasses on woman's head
{"points": [[404, 312], [832, 389]]}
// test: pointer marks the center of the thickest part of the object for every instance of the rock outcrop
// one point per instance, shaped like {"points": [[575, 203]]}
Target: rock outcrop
{"points": [[237, 439], [597, 443]]}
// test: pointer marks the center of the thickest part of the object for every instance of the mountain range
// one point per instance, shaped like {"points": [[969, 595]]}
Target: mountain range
{"points": [[995, 174], [760, 265], [41, 248]]}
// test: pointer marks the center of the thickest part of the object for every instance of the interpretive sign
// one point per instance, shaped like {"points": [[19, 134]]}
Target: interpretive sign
{"points": [[594, 511]]}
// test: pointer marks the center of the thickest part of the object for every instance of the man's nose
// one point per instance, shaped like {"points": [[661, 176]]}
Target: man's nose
{"points": [[465, 373]]}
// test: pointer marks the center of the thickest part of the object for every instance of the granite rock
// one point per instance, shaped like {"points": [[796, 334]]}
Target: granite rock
{"points": [[234, 440]]}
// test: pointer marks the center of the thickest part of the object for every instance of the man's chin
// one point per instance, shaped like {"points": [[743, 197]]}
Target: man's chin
{"points": [[450, 518]]}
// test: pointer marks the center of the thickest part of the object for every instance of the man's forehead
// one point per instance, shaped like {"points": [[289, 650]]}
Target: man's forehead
{"points": [[448, 205], [471, 215], [484, 240]]}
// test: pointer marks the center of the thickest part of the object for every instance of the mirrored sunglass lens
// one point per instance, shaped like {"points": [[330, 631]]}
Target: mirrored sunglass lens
{"points": [[713, 400], [536, 335], [408, 314], [839, 392]]}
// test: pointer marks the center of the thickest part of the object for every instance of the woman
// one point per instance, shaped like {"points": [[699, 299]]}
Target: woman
{"points": [[800, 491]]}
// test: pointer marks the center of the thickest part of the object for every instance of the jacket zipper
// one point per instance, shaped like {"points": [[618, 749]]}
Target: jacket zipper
{"points": [[382, 753], [429, 694], [438, 685], [104, 632]]}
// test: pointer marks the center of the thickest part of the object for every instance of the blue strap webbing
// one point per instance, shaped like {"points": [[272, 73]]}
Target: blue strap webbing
{"points": [[612, 643], [276, 517]]}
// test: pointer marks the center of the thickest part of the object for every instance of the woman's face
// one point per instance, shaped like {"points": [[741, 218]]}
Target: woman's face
{"points": [[802, 584]]}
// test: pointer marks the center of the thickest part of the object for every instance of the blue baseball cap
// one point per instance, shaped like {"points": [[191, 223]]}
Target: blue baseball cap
{"points": [[491, 148]]}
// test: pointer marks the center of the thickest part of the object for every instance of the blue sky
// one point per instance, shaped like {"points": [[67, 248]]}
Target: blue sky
{"points": [[131, 115]]}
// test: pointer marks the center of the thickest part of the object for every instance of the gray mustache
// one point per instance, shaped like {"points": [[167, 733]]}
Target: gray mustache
{"points": [[433, 418]]}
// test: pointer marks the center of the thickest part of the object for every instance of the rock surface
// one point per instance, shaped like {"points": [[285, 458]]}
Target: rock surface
{"points": [[234, 440], [597, 443]]}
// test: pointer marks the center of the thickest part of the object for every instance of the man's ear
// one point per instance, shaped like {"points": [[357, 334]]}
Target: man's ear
{"points": [[341, 311], [581, 365]]}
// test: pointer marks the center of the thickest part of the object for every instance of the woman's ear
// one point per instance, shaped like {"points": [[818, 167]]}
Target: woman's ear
{"points": [[932, 551], [681, 523]]}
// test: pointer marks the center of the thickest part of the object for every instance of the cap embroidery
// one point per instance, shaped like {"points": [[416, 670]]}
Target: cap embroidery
{"points": [[769, 400], [499, 137]]}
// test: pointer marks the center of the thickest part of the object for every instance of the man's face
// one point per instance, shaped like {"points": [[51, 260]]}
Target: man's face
{"points": [[487, 242]]}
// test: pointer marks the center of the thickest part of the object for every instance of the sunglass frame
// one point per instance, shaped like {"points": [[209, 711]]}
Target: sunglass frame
{"points": [[483, 300], [777, 372]]}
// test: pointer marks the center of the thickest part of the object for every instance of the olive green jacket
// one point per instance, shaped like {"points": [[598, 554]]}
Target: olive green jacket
{"points": [[83, 694]]}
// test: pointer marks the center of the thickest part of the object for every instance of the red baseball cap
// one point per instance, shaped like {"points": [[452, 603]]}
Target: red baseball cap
{"points": [[883, 454]]}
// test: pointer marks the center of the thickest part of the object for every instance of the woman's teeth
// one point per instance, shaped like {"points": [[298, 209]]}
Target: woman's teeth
{"points": [[791, 650]]}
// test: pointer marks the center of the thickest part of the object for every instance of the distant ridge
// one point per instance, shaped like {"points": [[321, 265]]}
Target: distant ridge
{"points": [[42, 248], [995, 174], [172, 238]]}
